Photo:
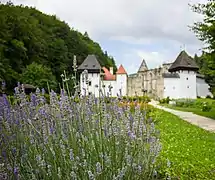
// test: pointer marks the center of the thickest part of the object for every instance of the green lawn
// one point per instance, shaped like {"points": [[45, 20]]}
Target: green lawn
{"points": [[191, 150], [198, 111]]}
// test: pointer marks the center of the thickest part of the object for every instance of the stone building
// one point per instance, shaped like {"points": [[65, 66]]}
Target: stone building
{"points": [[179, 79], [147, 80]]}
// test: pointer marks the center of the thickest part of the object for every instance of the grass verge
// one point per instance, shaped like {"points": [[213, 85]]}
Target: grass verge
{"points": [[198, 111], [189, 149]]}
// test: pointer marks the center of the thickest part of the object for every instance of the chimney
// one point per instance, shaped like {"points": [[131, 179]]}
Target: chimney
{"points": [[111, 70]]}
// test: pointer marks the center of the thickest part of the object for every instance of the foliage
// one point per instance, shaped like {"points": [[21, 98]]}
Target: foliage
{"points": [[164, 100], [145, 99], [202, 107], [206, 107], [205, 32], [38, 75], [28, 36], [66, 139], [189, 149]]}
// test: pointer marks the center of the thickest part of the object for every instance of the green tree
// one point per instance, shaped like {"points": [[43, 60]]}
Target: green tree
{"points": [[38, 75], [28, 35], [205, 31]]}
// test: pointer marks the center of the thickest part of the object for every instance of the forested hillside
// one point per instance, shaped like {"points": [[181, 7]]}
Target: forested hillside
{"points": [[32, 39]]}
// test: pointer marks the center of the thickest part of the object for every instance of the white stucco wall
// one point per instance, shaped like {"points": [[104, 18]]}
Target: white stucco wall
{"points": [[188, 84], [171, 88], [202, 88], [121, 81], [183, 87], [94, 79], [105, 88]]}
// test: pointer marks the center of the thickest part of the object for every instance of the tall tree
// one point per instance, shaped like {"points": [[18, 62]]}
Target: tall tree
{"points": [[39, 75], [28, 35], [205, 31]]}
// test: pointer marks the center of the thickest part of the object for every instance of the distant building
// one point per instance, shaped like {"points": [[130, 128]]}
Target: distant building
{"points": [[179, 79], [175, 80], [100, 79]]}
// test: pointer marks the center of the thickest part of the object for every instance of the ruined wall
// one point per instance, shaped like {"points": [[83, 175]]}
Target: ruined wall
{"points": [[150, 80]]}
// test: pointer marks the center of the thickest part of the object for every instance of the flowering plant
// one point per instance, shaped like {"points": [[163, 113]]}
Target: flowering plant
{"points": [[70, 139]]}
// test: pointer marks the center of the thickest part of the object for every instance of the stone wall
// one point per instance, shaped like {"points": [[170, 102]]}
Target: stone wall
{"points": [[150, 80]]}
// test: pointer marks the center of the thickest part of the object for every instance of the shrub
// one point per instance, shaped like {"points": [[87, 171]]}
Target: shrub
{"points": [[208, 97], [145, 99], [164, 100], [70, 139], [206, 107], [185, 103]]}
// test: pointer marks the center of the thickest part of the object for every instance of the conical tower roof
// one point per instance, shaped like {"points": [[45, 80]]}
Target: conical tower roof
{"points": [[143, 67], [121, 70], [183, 62], [90, 63]]}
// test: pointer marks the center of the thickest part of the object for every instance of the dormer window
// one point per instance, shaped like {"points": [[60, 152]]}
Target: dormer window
{"points": [[85, 65], [94, 65]]}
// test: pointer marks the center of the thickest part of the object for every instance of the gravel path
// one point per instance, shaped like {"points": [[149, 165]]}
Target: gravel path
{"points": [[203, 122]]}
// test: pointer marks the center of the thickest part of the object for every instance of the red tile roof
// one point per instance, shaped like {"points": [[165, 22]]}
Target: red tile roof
{"points": [[107, 75], [121, 70]]}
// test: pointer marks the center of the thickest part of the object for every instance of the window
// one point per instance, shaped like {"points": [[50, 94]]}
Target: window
{"points": [[164, 88], [188, 87], [90, 83], [187, 78]]}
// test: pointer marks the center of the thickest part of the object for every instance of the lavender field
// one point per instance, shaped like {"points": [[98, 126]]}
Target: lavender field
{"points": [[75, 138]]}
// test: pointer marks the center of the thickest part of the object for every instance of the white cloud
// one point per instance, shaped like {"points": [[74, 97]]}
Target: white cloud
{"points": [[139, 22], [138, 19]]}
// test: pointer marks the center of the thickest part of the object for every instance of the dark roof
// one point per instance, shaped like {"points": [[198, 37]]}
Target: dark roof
{"points": [[90, 63], [183, 62], [143, 66], [170, 75], [28, 86], [132, 75]]}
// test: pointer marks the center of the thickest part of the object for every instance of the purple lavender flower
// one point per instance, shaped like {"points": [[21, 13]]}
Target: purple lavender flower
{"points": [[14, 151], [43, 91], [16, 173], [34, 99], [98, 168], [132, 135], [3, 85], [71, 155], [5, 100]]}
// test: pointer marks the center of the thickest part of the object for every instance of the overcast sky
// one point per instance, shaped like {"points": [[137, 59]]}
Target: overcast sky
{"points": [[130, 30]]}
